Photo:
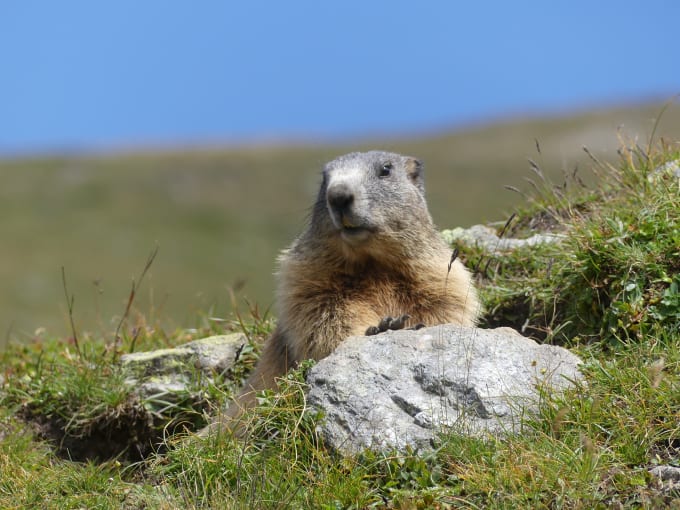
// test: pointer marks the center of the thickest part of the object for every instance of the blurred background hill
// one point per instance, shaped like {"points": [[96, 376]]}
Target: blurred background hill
{"points": [[219, 216], [202, 129]]}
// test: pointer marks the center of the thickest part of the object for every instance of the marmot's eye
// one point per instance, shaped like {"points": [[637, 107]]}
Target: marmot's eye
{"points": [[385, 170]]}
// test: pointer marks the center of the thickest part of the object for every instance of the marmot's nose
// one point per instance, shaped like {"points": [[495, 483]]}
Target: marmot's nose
{"points": [[340, 197]]}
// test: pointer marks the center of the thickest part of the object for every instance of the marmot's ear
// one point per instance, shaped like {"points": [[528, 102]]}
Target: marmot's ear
{"points": [[415, 171]]}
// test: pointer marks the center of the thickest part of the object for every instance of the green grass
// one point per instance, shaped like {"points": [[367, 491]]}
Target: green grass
{"points": [[609, 292], [219, 216], [614, 276], [590, 447]]}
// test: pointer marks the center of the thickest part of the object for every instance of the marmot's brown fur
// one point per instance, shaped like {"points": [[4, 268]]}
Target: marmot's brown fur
{"points": [[370, 250]]}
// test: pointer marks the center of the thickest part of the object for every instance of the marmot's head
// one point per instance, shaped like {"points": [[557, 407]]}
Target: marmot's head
{"points": [[373, 196]]}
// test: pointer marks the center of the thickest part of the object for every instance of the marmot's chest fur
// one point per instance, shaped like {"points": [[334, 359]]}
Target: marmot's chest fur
{"points": [[377, 289]]}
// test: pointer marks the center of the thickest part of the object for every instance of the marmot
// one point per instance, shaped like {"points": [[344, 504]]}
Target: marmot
{"points": [[370, 251]]}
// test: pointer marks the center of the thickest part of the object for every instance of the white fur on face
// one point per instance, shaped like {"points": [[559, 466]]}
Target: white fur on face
{"points": [[351, 175], [351, 222]]}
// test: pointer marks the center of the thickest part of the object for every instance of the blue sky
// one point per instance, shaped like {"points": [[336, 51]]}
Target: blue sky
{"points": [[90, 75]]}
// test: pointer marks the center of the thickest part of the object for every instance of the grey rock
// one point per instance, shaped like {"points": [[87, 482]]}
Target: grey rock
{"points": [[402, 388], [487, 239], [170, 375], [666, 473], [671, 168]]}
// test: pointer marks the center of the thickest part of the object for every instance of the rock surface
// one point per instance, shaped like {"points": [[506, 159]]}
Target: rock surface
{"points": [[487, 239], [667, 478], [666, 473], [172, 372], [402, 388], [671, 168]]}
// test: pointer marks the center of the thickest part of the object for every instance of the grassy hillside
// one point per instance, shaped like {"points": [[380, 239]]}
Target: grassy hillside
{"points": [[609, 291], [219, 216]]}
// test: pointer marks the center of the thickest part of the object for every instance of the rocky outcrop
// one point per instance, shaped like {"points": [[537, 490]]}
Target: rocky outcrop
{"points": [[486, 238], [402, 388], [394, 390], [172, 373]]}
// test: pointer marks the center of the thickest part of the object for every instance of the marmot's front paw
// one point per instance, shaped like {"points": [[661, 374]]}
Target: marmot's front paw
{"points": [[389, 323]]}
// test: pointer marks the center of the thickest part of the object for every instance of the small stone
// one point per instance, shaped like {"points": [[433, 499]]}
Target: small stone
{"points": [[170, 372], [666, 473], [671, 168]]}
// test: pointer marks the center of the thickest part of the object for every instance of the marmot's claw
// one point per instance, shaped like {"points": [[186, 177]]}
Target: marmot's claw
{"points": [[388, 323], [372, 330], [420, 325], [399, 322], [385, 324]]}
